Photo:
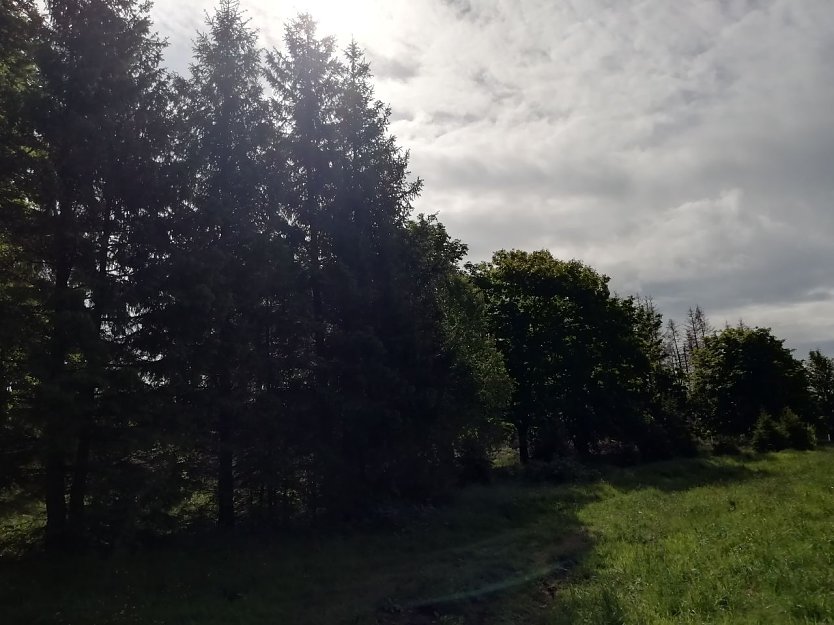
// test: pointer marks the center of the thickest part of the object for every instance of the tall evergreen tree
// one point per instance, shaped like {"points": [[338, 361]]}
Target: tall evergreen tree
{"points": [[99, 71], [223, 265], [374, 285], [21, 303]]}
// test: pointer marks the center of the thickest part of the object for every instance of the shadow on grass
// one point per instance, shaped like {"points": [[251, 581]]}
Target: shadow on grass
{"points": [[487, 556], [505, 548], [486, 538], [684, 474]]}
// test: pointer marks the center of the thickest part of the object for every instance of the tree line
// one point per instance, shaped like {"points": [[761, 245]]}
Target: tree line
{"points": [[216, 299]]}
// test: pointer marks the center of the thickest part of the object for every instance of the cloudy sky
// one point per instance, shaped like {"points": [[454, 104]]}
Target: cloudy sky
{"points": [[684, 148]]}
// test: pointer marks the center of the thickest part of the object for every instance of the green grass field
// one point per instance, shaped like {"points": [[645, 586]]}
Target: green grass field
{"points": [[711, 540]]}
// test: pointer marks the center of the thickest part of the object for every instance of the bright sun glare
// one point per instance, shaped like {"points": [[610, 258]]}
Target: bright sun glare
{"points": [[360, 19]]}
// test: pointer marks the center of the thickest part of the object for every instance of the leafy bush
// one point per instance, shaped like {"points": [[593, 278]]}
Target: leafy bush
{"points": [[664, 440], [788, 431], [726, 446], [800, 435], [769, 434]]}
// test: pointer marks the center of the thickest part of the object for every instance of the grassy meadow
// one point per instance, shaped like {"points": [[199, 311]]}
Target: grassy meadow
{"points": [[706, 540]]}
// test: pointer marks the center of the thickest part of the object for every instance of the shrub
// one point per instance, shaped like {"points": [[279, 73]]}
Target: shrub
{"points": [[725, 446], [769, 434], [661, 440], [800, 435]]}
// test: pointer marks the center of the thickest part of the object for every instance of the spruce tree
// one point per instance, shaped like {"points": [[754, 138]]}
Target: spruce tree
{"points": [[214, 326], [98, 71], [21, 303]]}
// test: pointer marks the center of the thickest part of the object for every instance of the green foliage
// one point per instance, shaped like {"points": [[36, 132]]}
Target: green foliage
{"points": [[85, 131], [587, 365], [726, 446], [21, 303], [800, 435], [769, 434], [742, 372], [786, 431], [666, 429], [539, 306]]}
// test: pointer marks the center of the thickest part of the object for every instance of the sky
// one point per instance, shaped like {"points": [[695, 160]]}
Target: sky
{"points": [[685, 149]]}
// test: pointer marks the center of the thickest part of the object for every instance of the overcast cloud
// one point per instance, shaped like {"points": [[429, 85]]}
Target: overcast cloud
{"points": [[684, 148]]}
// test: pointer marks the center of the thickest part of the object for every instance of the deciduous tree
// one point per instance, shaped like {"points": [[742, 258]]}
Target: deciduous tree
{"points": [[742, 372]]}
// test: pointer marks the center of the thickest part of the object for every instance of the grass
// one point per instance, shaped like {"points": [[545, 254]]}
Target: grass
{"points": [[722, 540], [757, 547]]}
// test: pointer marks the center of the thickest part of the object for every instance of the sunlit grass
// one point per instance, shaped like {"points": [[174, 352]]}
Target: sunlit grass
{"points": [[756, 548]]}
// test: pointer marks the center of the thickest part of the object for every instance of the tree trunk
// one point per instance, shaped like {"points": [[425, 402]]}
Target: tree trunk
{"points": [[81, 468], [225, 474], [56, 503], [56, 428], [78, 488], [523, 444]]}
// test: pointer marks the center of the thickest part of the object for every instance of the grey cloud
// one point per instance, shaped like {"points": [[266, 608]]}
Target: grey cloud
{"points": [[530, 180], [474, 11], [497, 89], [392, 68], [685, 149], [819, 295], [461, 8]]}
